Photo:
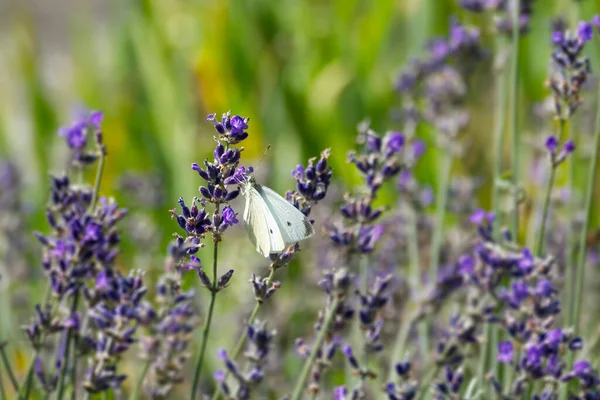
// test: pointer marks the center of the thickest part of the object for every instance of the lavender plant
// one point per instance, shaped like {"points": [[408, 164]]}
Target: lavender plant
{"points": [[312, 183], [499, 321]]}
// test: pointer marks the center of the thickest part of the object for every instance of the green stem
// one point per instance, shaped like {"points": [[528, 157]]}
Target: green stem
{"points": [[499, 119], [2, 392], [570, 252], [207, 324], [415, 263], [400, 345], [97, 181], [242, 340], [135, 394], [301, 382], [64, 368], [514, 104], [427, 381], [591, 185], [9, 371], [440, 213], [26, 387], [542, 233]]}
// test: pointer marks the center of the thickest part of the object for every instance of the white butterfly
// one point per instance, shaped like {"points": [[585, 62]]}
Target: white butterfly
{"points": [[271, 222]]}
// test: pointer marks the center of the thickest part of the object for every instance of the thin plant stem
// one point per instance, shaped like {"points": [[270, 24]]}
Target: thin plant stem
{"points": [[427, 381], [591, 185], [2, 392], [542, 233], [400, 345], [415, 263], [135, 394], [242, 340], [301, 382], [99, 170], [70, 336], [440, 213], [513, 101], [9, 371], [571, 239], [539, 249], [25, 388], [207, 323], [499, 119], [74, 368]]}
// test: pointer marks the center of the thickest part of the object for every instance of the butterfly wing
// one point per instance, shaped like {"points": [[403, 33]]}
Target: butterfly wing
{"points": [[260, 224], [293, 225]]}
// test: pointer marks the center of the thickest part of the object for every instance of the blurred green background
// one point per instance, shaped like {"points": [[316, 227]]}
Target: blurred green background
{"points": [[305, 72]]}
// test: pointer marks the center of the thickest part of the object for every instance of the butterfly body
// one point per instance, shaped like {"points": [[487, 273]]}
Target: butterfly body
{"points": [[271, 222]]}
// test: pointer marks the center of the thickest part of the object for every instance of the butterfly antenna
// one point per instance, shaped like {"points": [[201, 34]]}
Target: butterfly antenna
{"points": [[264, 154]]}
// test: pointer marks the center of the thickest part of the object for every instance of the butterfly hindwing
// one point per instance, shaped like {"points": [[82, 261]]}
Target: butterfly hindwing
{"points": [[262, 228], [293, 225]]}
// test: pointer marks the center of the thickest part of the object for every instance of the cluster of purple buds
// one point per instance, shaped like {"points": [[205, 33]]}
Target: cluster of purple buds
{"points": [[379, 162], [570, 68], [82, 241], [502, 13], [406, 388], [260, 339], [371, 305], [312, 183], [82, 245], [77, 135], [263, 288], [452, 346], [434, 88], [359, 370], [557, 157], [116, 310], [337, 285], [526, 308], [449, 280], [224, 170], [459, 48], [13, 231], [449, 387], [169, 330]]}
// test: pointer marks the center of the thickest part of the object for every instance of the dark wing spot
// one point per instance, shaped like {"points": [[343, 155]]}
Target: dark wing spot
{"points": [[271, 230], [289, 223]]}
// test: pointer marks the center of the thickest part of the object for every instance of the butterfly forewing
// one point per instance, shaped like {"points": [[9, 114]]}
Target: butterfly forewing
{"points": [[262, 228], [293, 225]]}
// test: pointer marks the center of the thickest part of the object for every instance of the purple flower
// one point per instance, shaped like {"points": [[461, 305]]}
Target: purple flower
{"points": [[582, 368], [558, 38], [229, 217], [585, 31], [551, 144], [77, 133], [418, 147], [569, 146], [467, 263], [596, 21], [393, 142], [544, 288], [340, 393], [222, 354], [505, 352]]}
